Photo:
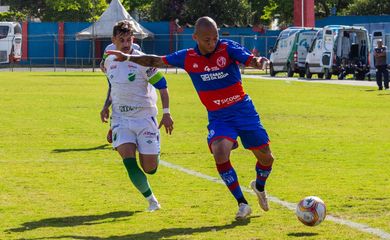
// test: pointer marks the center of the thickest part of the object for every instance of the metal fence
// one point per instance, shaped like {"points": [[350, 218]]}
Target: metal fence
{"points": [[43, 50]]}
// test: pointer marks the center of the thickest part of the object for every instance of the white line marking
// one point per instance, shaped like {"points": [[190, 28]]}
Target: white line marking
{"points": [[291, 206]]}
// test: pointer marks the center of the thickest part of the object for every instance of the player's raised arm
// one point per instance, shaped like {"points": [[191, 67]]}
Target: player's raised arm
{"points": [[147, 60]]}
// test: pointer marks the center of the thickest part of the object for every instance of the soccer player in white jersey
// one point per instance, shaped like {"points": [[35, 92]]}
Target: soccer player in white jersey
{"points": [[134, 110], [107, 102]]}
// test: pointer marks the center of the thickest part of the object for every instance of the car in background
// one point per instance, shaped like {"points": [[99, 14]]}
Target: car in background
{"points": [[339, 50], [290, 50]]}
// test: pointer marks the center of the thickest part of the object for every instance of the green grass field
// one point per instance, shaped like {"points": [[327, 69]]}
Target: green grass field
{"points": [[59, 179]]}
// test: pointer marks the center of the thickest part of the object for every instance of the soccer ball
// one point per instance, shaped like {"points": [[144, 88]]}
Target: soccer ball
{"points": [[311, 211]]}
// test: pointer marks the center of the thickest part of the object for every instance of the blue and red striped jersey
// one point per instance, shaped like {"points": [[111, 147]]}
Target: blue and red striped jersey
{"points": [[216, 76]]}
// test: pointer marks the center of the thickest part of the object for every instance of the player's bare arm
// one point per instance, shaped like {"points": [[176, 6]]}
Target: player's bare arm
{"points": [[166, 120], [144, 60], [259, 62], [105, 112]]}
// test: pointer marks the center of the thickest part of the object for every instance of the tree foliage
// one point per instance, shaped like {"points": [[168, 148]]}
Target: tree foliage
{"points": [[12, 16], [368, 7], [187, 11], [222, 11], [73, 10]]}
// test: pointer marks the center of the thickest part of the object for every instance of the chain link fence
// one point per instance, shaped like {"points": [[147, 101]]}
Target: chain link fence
{"points": [[44, 53]]}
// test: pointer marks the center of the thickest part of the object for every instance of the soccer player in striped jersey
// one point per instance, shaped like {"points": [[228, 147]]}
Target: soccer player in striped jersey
{"points": [[134, 111], [212, 66]]}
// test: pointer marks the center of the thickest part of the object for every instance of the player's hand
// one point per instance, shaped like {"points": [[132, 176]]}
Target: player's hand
{"points": [[120, 56], [167, 121], [262, 63], [104, 115]]}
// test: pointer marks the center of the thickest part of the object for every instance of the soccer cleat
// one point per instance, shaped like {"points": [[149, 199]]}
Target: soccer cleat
{"points": [[244, 210], [153, 206], [262, 196], [109, 136]]}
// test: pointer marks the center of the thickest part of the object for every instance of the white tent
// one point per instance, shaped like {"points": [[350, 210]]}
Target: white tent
{"points": [[102, 28]]}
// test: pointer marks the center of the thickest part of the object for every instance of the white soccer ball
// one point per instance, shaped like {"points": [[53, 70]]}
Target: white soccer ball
{"points": [[311, 211]]}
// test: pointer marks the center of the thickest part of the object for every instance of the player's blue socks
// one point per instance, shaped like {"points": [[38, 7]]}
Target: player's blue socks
{"points": [[262, 173], [137, 176], [229, 176]]}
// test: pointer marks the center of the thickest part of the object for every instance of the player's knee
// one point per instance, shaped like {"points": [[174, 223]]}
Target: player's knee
{"points": [[151, 171]]}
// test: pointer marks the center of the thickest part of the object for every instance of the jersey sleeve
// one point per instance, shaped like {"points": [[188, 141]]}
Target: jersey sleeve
{"points": [[239, 53], [176, 59], [154, 77]]}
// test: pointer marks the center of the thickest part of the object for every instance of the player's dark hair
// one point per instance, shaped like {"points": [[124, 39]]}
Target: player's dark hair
{"points": [[122, 27]]}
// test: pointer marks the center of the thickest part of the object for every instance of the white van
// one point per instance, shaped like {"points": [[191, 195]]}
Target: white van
{"points": [[290, 50], [10, 42], [339, 50]]}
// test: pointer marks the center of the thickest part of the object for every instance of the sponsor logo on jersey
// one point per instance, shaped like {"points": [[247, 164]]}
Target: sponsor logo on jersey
{"points": [[147, 133], [221, 61], [213, 76], [228, 100], [149, 141], [151, 71], [209, 69], [124, 108], [112, 67]]}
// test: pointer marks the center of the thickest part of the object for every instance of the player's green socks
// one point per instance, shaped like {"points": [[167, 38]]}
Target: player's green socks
{"points": [[137, 176]]}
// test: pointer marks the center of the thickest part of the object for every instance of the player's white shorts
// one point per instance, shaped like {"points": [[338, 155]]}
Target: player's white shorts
{"points": [[143, 132]]}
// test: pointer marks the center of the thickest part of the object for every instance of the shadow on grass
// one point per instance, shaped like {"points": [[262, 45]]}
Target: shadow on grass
{"points": [[101, 147], [302, 234], [162, 234], [73, 221]]}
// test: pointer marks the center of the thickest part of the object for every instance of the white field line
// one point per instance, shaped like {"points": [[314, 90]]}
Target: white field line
{"points": [[291, 206]]}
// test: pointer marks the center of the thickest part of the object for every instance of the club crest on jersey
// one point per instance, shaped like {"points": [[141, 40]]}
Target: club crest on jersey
{"points": [[195, 65], [221, 61], [131, 77]]}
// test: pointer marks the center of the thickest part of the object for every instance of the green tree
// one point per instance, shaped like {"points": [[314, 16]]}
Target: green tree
{"points": [[141, 7], [368, 7], [12, 16], [73, 10], [222, 11], [58, 10], [167, 10]]}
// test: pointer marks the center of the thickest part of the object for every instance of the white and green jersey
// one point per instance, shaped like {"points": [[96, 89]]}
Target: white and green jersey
{"points": [[132, 92]]}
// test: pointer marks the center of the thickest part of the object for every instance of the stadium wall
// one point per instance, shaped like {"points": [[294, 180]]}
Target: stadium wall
{"points": [[55, 43]]}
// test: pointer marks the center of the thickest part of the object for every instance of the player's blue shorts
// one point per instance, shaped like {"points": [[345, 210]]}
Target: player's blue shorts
{"points": [[240, 120]]}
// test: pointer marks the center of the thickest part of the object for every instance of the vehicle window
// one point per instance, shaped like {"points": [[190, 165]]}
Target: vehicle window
{"points": [[4, 31]]}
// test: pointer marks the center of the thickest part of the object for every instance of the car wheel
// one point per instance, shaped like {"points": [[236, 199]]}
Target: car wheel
{"points": [[308, 73], [271, 70], [328, 75], [290, 71]]}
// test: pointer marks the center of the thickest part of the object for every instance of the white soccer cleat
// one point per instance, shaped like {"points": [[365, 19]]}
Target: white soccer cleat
{"points": [[153, 206], [261, 196], [244, 210]]}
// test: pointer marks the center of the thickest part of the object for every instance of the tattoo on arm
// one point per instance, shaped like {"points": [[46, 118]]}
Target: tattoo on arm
{"points": [[148, 60]]}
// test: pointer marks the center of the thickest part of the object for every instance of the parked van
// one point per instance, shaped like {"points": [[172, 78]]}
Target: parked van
{"points": [[378, 31], [339, 50], [290, 50], [10, 42]]}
